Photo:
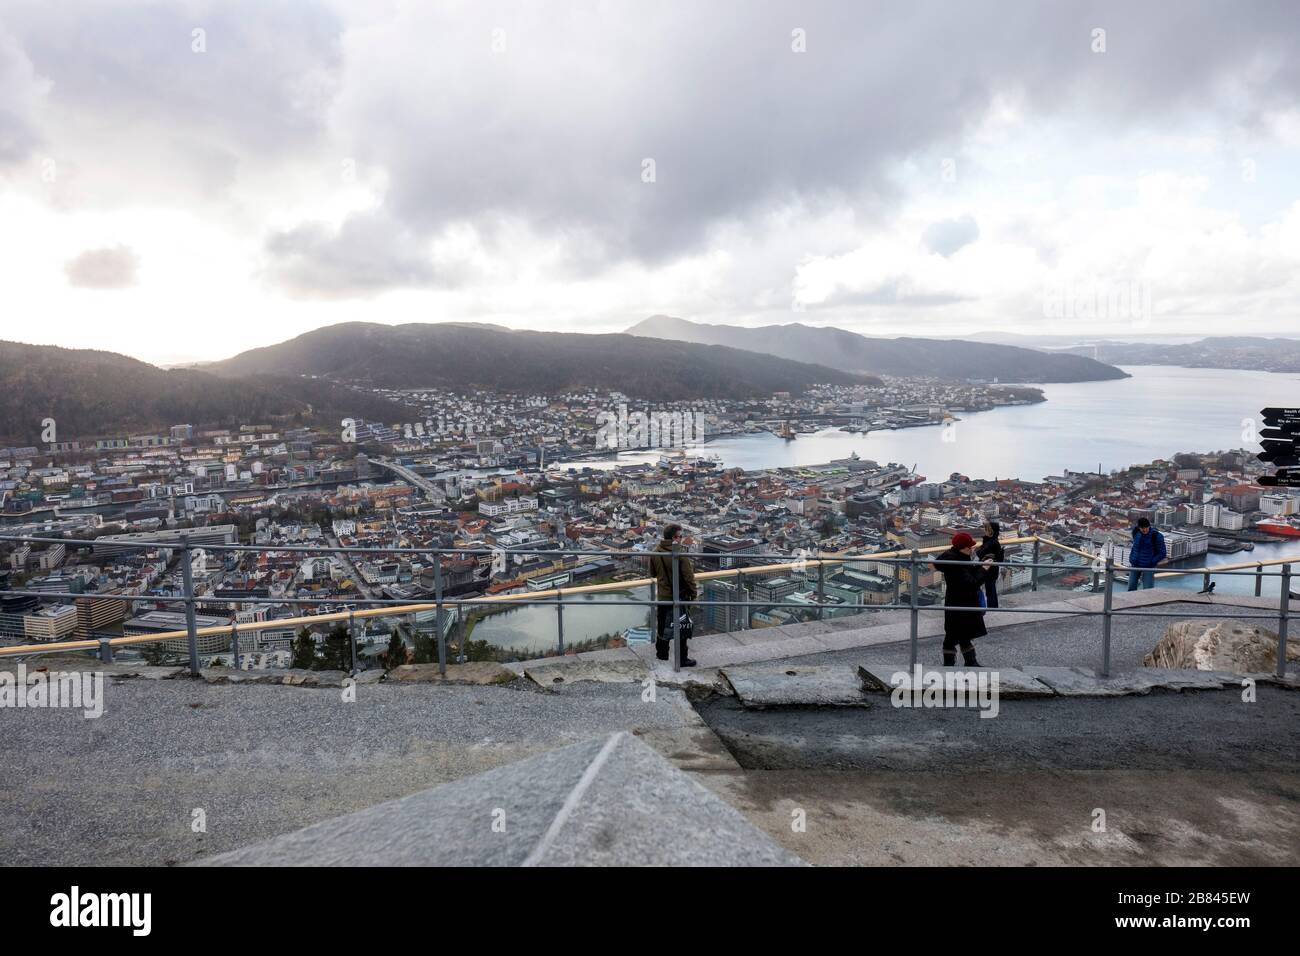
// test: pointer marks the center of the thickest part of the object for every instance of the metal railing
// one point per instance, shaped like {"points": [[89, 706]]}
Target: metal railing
{"points": [[1103, 572]]}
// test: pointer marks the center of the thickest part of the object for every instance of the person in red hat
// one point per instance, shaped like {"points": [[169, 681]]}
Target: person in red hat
{"points": [[963, 577]]}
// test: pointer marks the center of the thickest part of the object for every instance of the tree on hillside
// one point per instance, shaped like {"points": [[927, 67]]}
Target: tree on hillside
{"points": [[396, 653], [337, 652], [304, 650]]}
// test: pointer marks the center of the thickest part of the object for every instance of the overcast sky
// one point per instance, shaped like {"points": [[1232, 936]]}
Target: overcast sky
{"points": [[185, 180]]}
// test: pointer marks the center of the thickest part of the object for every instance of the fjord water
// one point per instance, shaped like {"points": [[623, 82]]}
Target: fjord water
{"points": [[1158, 412]]}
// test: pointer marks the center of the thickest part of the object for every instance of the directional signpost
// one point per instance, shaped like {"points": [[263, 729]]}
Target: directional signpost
{"points": [[1280, 439]]}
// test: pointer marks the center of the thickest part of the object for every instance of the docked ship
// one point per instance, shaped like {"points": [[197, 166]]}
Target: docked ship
{"points": [[1279, 526]]}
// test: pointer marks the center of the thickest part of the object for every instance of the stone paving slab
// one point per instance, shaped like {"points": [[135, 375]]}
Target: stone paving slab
{"points": [[1012, 682], [693, 680], [891, 627], [784, 685], [608, 654], [762, 635], [602, 802]]}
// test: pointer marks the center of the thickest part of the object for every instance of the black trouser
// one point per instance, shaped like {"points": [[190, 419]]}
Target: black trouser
{"points": [[991, 591], [950, 644], [664, 643]]}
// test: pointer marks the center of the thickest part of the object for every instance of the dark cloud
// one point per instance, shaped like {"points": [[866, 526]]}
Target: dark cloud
{"points": [[132, 88], [19, 93], [551, 128], [113, 267], [554, 129], [948, 235]]}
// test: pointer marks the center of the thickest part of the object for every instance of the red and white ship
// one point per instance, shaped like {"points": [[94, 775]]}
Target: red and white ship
{"points": [[1279, 526]]}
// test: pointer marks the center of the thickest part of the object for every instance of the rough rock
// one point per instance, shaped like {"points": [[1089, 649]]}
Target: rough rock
{"points": [[474, 672], [1220, 644], [573, 671]]}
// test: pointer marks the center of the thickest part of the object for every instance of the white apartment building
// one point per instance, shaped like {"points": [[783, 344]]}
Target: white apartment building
{"points": [[507, 506], [50, 623], [1279, 504]]}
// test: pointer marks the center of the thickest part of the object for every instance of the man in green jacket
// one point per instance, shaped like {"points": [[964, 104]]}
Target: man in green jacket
{"points": [[661, 566]]}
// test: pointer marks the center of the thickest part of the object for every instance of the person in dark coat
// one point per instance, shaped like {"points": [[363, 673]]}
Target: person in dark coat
{"points": [[962, 583], [991, 547], [661, 566], [1147, 554]]}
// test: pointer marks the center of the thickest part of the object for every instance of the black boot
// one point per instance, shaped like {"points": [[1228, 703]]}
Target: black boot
{"points": [[968, 656], [949, 658], [661, 649]]}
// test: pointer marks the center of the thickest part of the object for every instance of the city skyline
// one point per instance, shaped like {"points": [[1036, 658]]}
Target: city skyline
{"points": [[182, 183]]}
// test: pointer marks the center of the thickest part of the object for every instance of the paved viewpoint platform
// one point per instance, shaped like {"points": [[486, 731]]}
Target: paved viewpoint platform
{"points": [[779, 730], [606, 802]]}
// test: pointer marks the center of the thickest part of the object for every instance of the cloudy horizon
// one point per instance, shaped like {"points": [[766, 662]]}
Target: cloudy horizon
{"points": [[186, 180]]}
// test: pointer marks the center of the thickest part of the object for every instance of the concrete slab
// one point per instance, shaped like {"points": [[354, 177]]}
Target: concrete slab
{"points": [[602, 802], [696, 681], [1013, 683], [1083, 682], [761, 635], [687, 742], [786, 685], [609, 654]]}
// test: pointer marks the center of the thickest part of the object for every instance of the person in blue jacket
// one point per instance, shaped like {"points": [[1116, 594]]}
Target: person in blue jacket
{"points": [[1147, 553]]}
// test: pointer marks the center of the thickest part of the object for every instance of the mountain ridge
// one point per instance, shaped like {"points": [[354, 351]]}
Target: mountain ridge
{"points": [[902, 356], [94, 393], [412, 355]]}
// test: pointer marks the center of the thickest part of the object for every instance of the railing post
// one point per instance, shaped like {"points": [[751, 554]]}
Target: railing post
{"points": [[1108, 600], [463, 656], [352, 640], [1205, 581], [677, 627], [1033, 575], [559, 616], [730, 609], [898, 581], [234, 643], [1259, 580], [1283, 617], [821, 585], [653, 622], [915, 622], [187, 577], [105, 651], [437, 613]]}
